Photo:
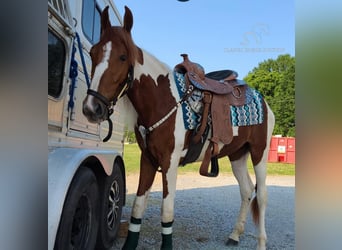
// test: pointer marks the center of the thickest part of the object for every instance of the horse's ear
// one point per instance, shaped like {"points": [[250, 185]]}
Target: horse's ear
{"points": [[105, 23], [140, 56], [128, 19]]}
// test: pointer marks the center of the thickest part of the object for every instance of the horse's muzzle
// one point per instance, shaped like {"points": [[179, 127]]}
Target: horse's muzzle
{"points": [[94, 110]]}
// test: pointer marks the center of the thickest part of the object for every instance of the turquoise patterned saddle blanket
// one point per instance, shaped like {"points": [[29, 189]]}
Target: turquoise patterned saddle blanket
{"points": [[249, 114]]}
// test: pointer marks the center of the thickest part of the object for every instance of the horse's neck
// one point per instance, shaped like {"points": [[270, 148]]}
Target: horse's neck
{"points": [[129, 115], [153, 94], [152, 66]]}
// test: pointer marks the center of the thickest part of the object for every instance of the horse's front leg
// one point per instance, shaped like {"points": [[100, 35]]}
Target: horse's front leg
{"points": [[167, 211], [147, 174]]}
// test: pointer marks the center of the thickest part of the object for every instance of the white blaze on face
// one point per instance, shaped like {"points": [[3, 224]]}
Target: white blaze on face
{"points": [[99, 70]]}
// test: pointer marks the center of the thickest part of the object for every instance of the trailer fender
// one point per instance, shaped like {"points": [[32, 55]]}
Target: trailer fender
{"points": [[63, 164]]}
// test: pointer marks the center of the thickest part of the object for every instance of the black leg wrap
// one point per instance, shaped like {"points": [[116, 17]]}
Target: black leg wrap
{"points": [[231, 242], [167, 242], [131, 242], [167, 224], [166, 236], [132, 239]]}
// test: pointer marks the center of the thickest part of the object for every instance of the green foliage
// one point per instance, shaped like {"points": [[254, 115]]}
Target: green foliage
{"points": [[275, 79], [129, 136]]}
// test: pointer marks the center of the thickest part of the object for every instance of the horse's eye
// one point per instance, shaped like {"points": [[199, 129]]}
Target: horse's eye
{"points": [[123, 58]]}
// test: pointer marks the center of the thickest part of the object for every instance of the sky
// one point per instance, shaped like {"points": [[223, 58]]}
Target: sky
{"points": [[225, 34]]}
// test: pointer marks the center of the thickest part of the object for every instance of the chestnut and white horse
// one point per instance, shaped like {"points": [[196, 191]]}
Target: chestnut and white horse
{"points": [[121, 68]]}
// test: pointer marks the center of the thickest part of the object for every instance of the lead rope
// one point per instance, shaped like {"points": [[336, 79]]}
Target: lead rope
{"points": [[82, 60], [110, 126]]}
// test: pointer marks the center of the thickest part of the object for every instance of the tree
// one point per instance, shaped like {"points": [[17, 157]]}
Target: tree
{"points": [[129, 136], [275, 80]]}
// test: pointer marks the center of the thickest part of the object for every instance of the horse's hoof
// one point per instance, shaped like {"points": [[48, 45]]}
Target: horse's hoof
{"points": [[231, 242]]}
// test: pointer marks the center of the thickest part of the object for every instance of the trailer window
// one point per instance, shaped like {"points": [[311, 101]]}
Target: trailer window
{"points": [[56, 54], [91, 20]]}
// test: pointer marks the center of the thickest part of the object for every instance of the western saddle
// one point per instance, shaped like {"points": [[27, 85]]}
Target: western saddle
{"points": [[220, 90]]}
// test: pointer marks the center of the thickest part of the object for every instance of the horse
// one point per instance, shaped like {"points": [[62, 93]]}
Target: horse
{"points": [[122, 69]]}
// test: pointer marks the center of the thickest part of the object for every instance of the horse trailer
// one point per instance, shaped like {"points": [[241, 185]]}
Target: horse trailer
{"points": [[86, 177]]}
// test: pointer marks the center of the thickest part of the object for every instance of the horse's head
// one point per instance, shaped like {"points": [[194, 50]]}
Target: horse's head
{"points": [[113, 59]]}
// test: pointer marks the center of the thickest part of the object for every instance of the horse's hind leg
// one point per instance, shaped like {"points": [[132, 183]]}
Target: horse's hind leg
{"points": [[241, 174], [259, 203], [147, 174]]}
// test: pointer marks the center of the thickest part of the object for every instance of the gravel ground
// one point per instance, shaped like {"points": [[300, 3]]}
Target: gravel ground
{"points": [[206, 210]]}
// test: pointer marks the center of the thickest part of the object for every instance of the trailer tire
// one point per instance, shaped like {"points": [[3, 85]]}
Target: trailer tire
{"points": [[111, 203], [79, 222]]}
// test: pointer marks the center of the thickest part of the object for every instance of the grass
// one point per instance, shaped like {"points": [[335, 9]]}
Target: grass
{"points": [[132, 161]]}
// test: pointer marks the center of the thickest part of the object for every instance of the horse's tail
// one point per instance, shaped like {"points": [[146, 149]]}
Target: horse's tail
{"points": [[255, 208]]}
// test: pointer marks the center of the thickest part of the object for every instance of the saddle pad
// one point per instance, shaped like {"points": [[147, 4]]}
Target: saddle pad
{"points": [[249, 114], [191, 118]]}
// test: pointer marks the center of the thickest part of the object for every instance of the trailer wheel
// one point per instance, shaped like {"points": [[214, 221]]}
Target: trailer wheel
{"points": [[79, 222], [111, 208]]}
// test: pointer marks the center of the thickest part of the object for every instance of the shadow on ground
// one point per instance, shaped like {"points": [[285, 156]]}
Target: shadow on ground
{"points": [[204, 217]]}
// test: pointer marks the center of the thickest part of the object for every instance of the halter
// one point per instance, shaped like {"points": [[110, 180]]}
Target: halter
{"points": [[126, 84]]}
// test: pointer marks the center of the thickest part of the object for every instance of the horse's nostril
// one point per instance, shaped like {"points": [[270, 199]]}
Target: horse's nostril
{"points": [[98, 109]]}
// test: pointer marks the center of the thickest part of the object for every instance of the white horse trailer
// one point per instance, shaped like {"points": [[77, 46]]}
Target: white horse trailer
{"points": [[86, 178]]}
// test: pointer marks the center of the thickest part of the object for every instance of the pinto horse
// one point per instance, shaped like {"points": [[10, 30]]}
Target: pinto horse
{"points": [[120, 68]]}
